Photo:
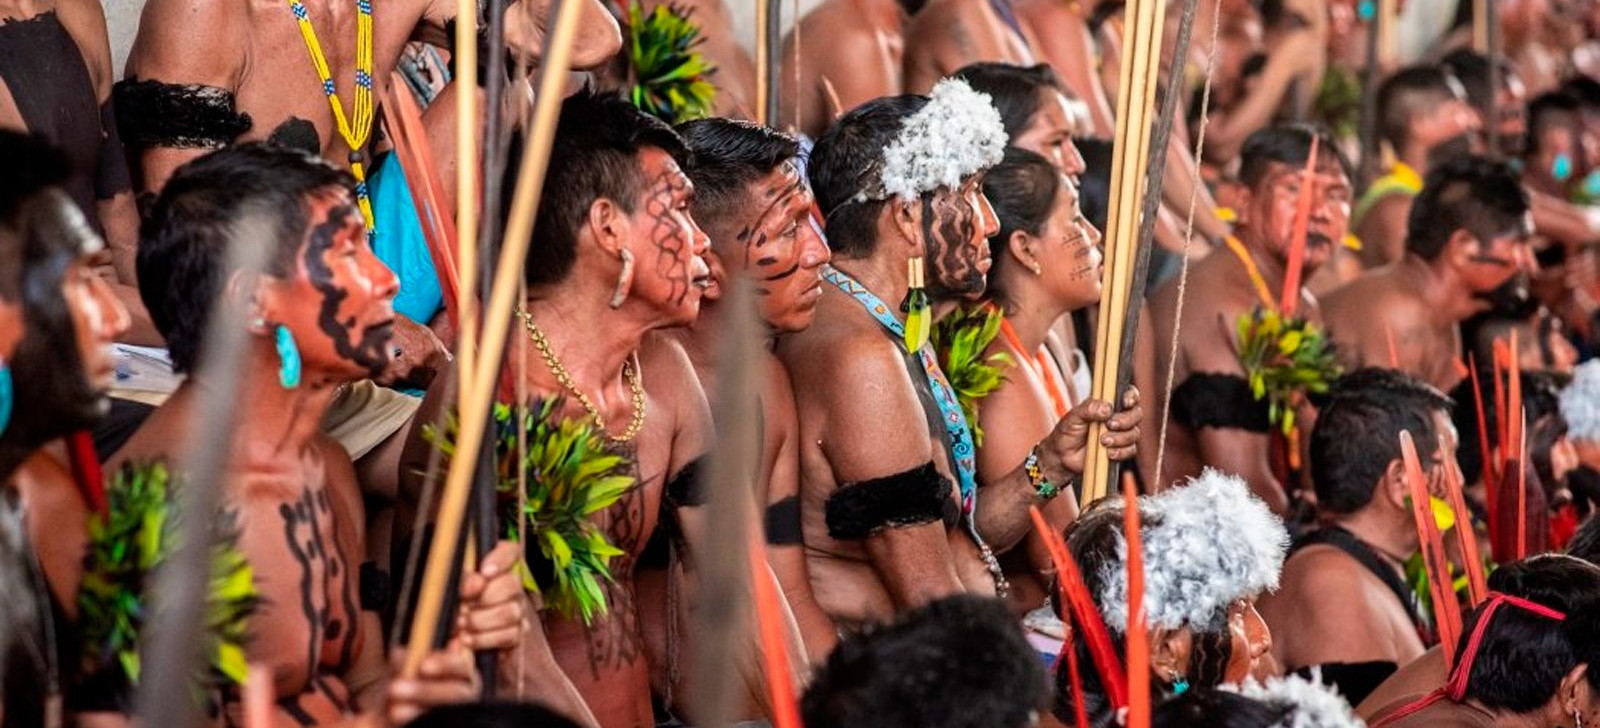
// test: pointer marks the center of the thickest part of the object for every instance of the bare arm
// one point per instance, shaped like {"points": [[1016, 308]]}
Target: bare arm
{"points": [[1288, 61], [1229, 449], [1560, 220], [1383, 230], [787, 560], [1065, 43]]}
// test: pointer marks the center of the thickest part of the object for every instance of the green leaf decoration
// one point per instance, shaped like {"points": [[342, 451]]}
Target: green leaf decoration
{"points": [[961, 338], [126, 549], [670, 77], [1284, 360], [572, 473], [1338, 102]]}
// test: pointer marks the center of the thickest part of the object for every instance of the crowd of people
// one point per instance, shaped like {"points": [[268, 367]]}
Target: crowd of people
{"points": [[1374, 281]]}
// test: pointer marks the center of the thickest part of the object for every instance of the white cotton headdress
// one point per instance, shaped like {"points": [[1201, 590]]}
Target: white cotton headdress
{"points": [[1208, 543], [1313, 705], [957, 134], [1580, 403]]}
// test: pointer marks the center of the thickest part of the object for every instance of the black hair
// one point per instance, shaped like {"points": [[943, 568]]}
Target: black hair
{"points": [[1472, 193], [493, 714], [32, 165], [1278, 14], [1550, 110], [1094, 185], [1286, 144], [1409, 93], [1586, 90], [183, 244], [1022, 189], [1014, 90], [1585, 543], [1358, 429], [1094, 541], [959, 662], [1212, 708], [846, 160], [1522, 656], [595, 155], [729, 155]]}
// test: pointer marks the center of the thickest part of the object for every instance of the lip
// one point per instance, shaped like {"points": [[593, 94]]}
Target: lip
{"points": [[984, 264]]}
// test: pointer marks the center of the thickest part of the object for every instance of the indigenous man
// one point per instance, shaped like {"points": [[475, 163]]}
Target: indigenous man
{"points": [[756, 208], [949, 34], [1216, 419], [1424, 116], [1468, 235], [1344, 606], [59, 374], [881, 432], [319, 316], [865, 40]]}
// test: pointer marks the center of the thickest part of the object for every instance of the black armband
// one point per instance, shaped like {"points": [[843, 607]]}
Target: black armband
{"points": [[111, 177], [783, 522], [184, 116], [374, 587], [914, 497], [686, 489], [1219, 400]]}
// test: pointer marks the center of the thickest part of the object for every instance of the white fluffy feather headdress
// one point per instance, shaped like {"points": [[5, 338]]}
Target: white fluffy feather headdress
{"points": [[1580, 403], [956, 135], [1208, 543], [1313, 705]]}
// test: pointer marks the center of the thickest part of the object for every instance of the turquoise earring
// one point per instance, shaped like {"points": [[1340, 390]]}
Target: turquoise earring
{"points": [[6, 396], [1180, 684], [1561, 168], [289, 358]]}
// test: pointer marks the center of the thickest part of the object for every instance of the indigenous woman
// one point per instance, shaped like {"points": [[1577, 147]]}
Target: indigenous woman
{"points": [[1210, 549]]}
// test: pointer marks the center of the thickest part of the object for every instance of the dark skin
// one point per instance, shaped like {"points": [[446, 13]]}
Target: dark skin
{"points": [[948, 34], [1219, 291], [865, 41], [846, 422]]}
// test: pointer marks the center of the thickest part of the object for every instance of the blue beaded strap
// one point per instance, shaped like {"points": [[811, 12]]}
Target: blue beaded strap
{"points": [[955, 421]]}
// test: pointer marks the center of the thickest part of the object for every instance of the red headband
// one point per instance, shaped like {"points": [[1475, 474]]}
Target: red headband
{"points": [[1457, 687]]}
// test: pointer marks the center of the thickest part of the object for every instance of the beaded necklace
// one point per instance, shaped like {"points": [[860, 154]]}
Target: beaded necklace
{"points": [[355, 131]]}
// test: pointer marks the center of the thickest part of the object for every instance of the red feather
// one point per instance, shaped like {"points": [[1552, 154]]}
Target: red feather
{"points": [[1138, 638], [404, 123], [1297, 241], [1075, 596], [774, 648], [1477, 587], [1447, 613], [86, 470], [1490, 483]]}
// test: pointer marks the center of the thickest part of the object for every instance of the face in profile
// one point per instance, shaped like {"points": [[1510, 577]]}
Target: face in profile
{"points": [[1072, 258], [1049, 134], [63, 365], [957, 224], [781, 251], [338, 297], [1250, 639], [670, 271]]}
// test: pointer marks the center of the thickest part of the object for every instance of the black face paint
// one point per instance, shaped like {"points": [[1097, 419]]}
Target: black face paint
{"points": [[948, 227], [1493, 260], [666, 236], [54, 393], [370, 349]]}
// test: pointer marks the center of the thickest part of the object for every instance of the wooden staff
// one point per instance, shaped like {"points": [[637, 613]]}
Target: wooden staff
{"points": [[1371, 74], [1480, 26], [478, 390], [467, 155], [763, 61], [1138, 638], [1491, 41], [1297, 236], [773, 65], [1085, 612], [1141, 42], [1477, 585], [1446, 612]]}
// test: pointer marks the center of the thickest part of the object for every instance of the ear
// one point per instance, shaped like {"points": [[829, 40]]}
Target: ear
{"points": [[1462, 247], [906, 217], [608, 225], [1394, 486], [1022, 247], [1242, 198], [1169, 651], [1574, 692], [258, 295]]}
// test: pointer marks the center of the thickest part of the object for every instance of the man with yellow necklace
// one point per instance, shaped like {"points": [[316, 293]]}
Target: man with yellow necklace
{"points": [[1423, 115], [1216, 419]]}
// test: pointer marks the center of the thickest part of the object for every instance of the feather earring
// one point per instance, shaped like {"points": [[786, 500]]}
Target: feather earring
{"points": [[917, 308]]}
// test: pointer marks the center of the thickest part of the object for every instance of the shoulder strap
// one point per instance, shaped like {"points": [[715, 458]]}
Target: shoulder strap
{"points": [[1363, 554]]}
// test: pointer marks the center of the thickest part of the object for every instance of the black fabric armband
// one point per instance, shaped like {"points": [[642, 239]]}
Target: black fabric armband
{"points": [[914, 497], [686, 488], [374, 587], [1219, 400], [184, 116], [112, 177], [783, 522]]}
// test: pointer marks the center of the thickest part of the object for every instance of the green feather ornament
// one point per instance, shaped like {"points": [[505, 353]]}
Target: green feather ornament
{"points": [[961, 339], [572, 473], [1284, 360], [670, 77], [126, 548]]}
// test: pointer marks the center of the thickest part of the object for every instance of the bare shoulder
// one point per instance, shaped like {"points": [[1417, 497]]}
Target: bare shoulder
{"points": [[167, 48], [85, 20], [1320, 570], [665, 364]]}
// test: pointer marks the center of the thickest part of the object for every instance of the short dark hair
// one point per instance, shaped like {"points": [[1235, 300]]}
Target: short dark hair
{"points": [[1094, 185], [595, 155], [1471, 68], [1585, 543], [1409, 93], [1523, 656], [1358, 429], [1014, 90], [1287, 144], [1212, 708], [183, 244], [959, 662], [729, 155], [1550, 110], [33, 165], [1477, 194], [492, 714], [1022, 189], [847, 160], [1586, 90]]}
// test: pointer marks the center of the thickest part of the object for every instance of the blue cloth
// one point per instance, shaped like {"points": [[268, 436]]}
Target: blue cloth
{"points": [[400, 244]]}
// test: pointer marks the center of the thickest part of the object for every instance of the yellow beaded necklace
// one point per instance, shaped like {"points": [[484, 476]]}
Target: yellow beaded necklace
{"points": [[355, 135]]}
